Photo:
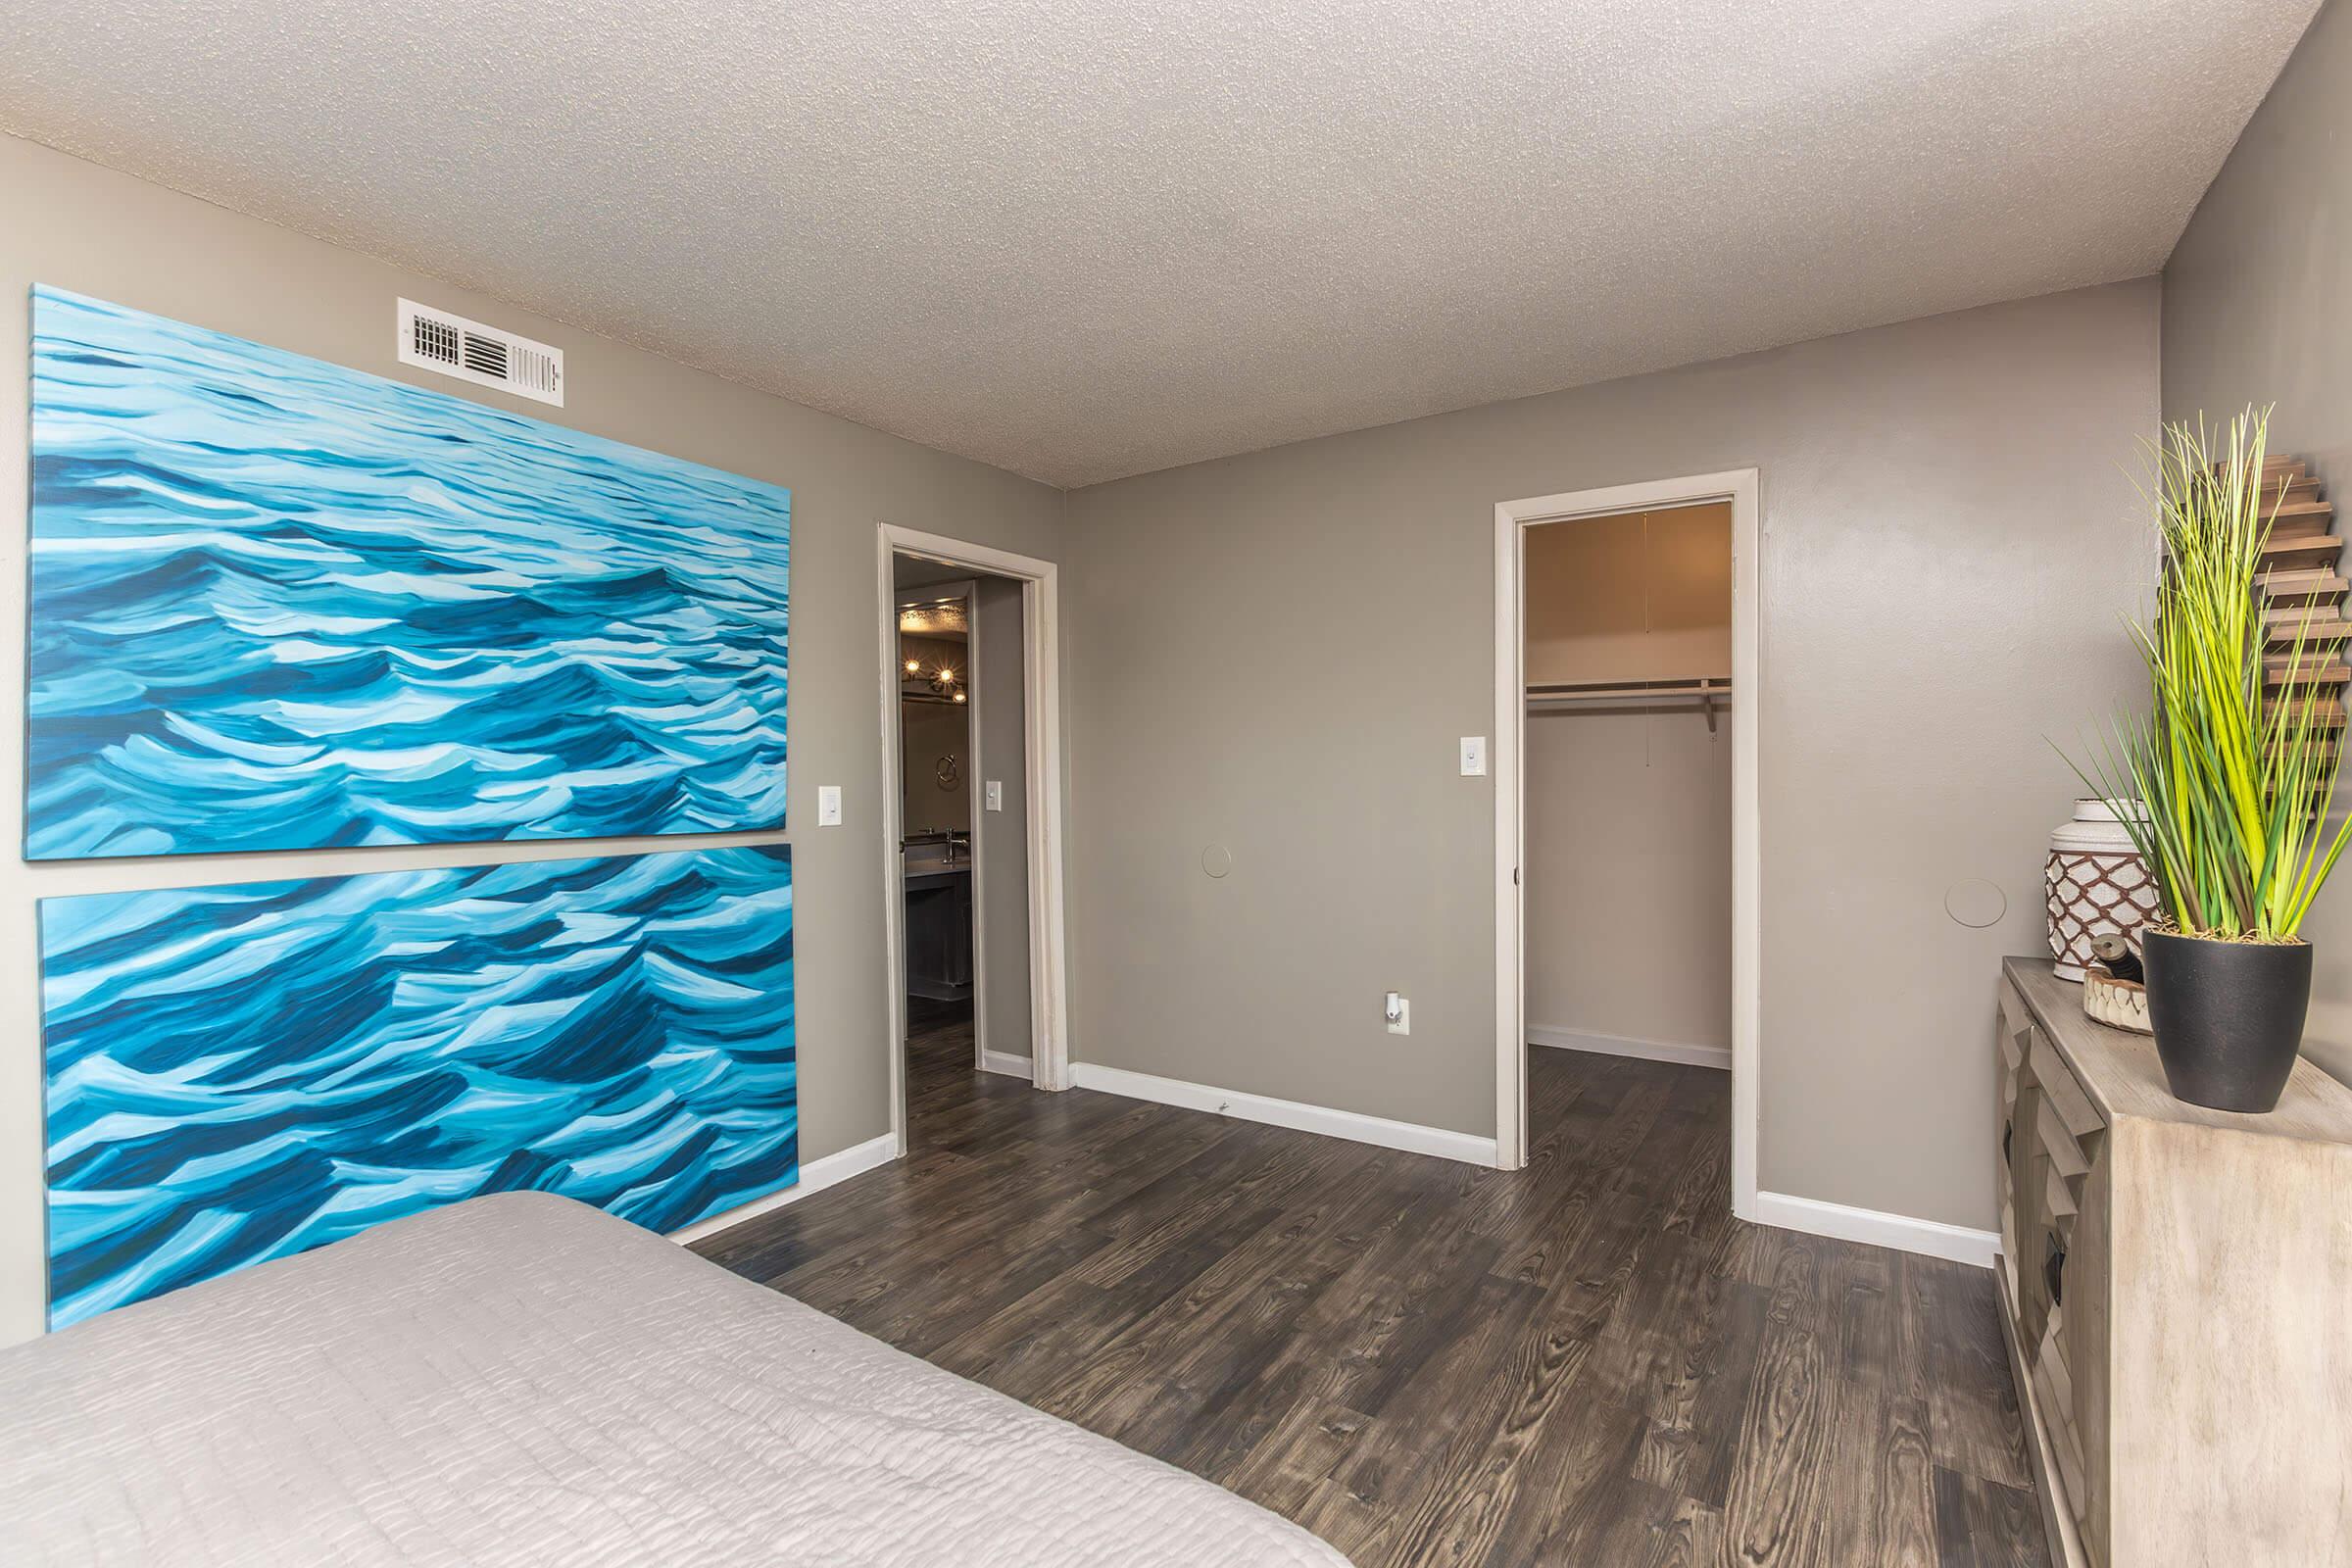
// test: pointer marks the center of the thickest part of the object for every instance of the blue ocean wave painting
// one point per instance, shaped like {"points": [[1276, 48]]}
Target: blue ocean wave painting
{"points": [[241, 1073], [277, 604]]}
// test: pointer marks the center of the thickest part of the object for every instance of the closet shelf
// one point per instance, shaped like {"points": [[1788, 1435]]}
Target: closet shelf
{"points": [[1556, 697], [1618, 691]]}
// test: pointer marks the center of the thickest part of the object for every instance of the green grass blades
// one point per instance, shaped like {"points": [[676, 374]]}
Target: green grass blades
{"points": [[2224, 787]]}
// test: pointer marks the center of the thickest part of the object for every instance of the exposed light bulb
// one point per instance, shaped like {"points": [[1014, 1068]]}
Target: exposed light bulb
{"points": [[959, 697], [914, 666]]}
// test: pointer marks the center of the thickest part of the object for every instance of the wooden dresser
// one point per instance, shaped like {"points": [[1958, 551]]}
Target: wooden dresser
{"points": [[2176, 1288]]}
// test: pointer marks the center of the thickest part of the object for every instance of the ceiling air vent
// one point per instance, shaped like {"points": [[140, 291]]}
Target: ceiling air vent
{"points": [[435, 340]]}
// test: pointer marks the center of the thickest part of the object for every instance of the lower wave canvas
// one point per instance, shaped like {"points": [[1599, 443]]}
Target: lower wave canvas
{"points": [[241, 1073]]}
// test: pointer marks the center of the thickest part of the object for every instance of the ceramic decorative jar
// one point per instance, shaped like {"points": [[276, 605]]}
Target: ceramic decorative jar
{"points": [[2096, 883]]}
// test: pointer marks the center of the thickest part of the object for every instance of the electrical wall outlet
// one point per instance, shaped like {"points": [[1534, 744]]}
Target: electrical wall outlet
{"points": [[1400, 1011]]}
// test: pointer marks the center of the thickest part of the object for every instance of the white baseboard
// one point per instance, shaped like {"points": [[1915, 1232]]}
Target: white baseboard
{"points": [[1410, 1137], [1004, 1061], [816, 1177], [1930, 1236], [1544, 1034]]}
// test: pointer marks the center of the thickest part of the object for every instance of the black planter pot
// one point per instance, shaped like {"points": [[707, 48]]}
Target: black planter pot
{"points": [[2227, 1016]]}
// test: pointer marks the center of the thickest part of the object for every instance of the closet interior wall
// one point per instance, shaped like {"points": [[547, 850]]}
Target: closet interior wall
{"points": [[1629, 804]]}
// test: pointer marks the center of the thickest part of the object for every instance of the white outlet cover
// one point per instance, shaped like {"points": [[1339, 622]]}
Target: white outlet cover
{"points": [[828, 805]]}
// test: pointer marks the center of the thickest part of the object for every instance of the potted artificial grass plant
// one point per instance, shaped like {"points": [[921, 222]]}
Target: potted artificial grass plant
{"points": [[2238, 777]]}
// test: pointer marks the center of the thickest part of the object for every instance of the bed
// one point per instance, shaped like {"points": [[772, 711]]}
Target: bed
{"points": [[522, 1379]]}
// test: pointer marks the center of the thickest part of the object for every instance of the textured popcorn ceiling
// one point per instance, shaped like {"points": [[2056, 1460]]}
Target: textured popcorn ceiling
{"points": [[1087, 238]]}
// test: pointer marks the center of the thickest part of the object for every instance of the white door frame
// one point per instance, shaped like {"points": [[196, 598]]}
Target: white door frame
{"points": [[1512, 519], [1048, 970]]}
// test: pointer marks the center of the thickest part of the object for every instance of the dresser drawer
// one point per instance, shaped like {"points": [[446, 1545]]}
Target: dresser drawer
{"points": [[2066, 1152], [2016, 1022], [2049, 1182], [2055, 1385], [2012, 1127], [2059, 1087]]}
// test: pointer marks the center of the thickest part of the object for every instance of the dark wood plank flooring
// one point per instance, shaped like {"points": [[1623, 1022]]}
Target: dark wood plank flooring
{"points": [[1586, 1362]]}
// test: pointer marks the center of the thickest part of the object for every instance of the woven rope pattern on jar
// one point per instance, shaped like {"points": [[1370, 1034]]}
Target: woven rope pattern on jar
{"points": [[2092, 892]]}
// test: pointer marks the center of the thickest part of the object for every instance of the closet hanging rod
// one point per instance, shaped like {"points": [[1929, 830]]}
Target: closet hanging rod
{"points": [[1617, 691], [1552, 697]]}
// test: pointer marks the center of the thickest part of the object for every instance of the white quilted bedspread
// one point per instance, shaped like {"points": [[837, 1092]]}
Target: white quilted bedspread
{"points": [[522, 1379]]}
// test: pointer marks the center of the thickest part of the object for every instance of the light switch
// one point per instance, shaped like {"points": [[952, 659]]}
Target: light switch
{"points": [[1473, 756], [828, 805], [996, 795]]}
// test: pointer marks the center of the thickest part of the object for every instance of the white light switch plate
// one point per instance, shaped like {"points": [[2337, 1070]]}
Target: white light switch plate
{"points": [[1403, 1024], [828, 805], [1474, 756], [996, 795]]}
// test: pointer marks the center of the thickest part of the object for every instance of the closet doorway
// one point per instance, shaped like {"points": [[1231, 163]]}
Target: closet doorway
{"points": [[1625, 747]]}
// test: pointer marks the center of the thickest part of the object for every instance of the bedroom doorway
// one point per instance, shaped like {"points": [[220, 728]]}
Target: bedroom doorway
{"points": [[939, 835], [1687, 507], [972, 831]]}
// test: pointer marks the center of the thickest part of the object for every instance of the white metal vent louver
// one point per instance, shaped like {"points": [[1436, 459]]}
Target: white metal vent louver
{"points": [[435, 340]]}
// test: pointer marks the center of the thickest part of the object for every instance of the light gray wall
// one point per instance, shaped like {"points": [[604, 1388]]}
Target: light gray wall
{"points": [[1628, 873], [2258, 308], [103, 234], [1300, 635], [1000, 687]]}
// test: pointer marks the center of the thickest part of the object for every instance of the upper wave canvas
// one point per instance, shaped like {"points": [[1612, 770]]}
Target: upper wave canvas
{"points": [[277, 604]]}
